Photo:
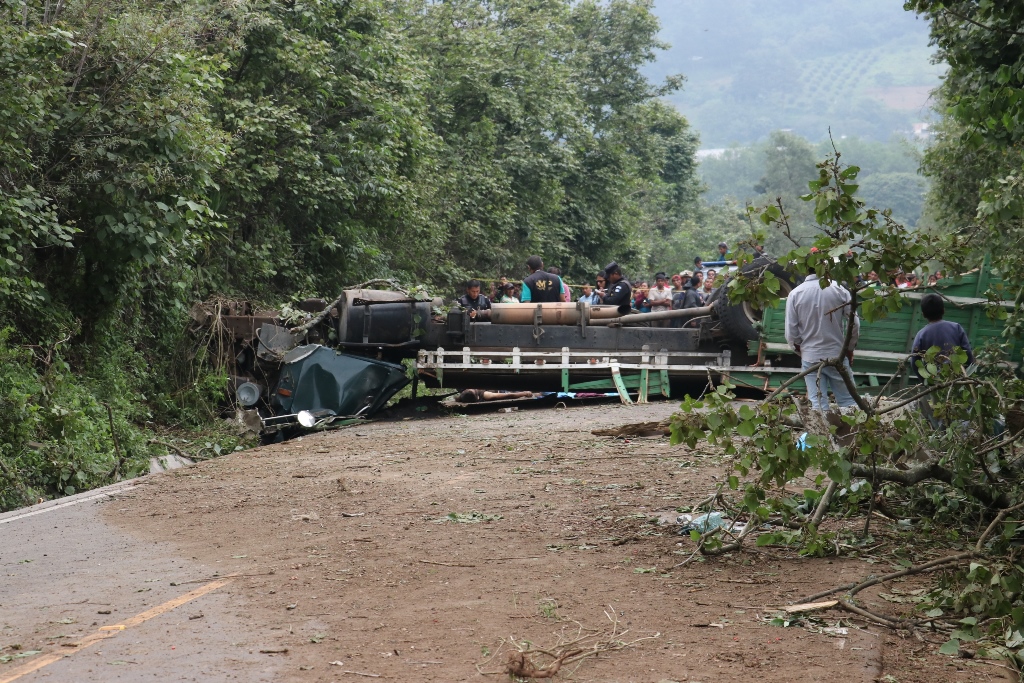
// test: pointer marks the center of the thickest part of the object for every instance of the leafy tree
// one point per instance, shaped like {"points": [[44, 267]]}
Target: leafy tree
{"points": [[977, 161], [854, 456], [903, 193], [107, 147], [154, 154]]}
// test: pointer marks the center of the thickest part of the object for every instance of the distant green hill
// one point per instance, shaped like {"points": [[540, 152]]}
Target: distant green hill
{"points": [[862, 67]]}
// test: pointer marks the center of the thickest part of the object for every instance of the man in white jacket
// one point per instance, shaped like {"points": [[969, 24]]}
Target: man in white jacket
{"points": [[816, 323]]}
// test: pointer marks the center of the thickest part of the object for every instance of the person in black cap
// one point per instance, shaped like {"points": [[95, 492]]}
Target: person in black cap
{"points": [[540, 286], [619, 290]]}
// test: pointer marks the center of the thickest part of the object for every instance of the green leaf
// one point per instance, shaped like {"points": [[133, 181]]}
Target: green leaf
{"points": [[950, 647]]}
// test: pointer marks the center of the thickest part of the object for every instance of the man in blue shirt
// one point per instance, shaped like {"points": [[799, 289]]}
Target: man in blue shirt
{"points": [[938, 332], [590, 296]]}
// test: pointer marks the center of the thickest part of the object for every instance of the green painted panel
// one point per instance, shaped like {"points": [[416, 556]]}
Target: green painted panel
{"points": [[631, 382]]}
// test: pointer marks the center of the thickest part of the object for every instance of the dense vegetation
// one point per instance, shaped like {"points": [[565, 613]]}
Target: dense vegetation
{"points": [[956, 483], [155, 154], [753, 67]]}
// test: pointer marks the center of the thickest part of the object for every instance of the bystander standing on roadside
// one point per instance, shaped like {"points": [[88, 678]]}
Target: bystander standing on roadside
{"points": [[506, 294], [677, 283], [938, 332], [640, 301], [944, 334], [589, 295], [723, 252], [566, 292], [540, 286], [816, 325], [709, 284], [660, 297]]}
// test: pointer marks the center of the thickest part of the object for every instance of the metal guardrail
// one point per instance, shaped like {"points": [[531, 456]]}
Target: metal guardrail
{"points": [[515, 361]]}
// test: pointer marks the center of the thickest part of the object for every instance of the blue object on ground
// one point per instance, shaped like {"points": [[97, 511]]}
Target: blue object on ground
{"points": [[702, 523]]}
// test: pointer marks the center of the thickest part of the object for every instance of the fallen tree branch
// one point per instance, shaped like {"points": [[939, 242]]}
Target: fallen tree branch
{"points": [[930, 471], [826, 500], [846, 602], [663, 428], [172, 447]]}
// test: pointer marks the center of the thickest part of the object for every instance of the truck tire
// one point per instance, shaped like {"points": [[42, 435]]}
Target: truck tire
{"points": [[741, 319]]}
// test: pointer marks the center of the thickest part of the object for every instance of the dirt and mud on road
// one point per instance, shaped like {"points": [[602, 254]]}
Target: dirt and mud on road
{"points": [[416, 550]]}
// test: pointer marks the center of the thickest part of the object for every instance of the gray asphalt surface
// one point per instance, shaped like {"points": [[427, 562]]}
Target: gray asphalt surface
{"points": [[62, 565]]}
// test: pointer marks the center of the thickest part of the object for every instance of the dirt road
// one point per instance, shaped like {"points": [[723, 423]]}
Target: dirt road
{"points": [[416, 551]]}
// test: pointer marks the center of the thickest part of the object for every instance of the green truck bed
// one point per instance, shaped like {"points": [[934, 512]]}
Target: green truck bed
{"points": [[886, 343]]}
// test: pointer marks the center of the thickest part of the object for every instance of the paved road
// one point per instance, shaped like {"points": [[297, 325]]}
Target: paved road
{"points": [[67, 574]]}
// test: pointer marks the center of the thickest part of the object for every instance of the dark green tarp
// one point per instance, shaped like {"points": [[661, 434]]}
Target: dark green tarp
{"points": [[317, 378]]}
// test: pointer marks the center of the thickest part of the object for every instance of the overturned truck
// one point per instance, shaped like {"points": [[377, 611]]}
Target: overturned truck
{"points": [[347, 361]]}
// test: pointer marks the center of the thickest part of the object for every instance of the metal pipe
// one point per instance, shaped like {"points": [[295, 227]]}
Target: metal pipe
{"points": [[372, 345], [638, 318], [553, 313]]}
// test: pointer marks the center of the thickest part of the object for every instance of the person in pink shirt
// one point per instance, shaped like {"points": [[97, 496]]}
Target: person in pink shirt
{"points": [[566, 292]]}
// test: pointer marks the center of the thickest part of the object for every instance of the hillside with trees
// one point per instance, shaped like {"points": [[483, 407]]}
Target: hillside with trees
{"points": [[860, 67]]}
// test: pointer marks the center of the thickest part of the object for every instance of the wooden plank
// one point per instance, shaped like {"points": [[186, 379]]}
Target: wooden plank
{"points": [[619, 386], [810, 606]]}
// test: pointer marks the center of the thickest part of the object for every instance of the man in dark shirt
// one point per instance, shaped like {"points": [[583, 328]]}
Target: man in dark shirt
{"points": [[478, 305], [619, 291], [541, 286], [938, 332]]}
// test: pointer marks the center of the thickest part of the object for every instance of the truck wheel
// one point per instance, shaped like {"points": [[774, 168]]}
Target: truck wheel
{"points": [[741, 319]]}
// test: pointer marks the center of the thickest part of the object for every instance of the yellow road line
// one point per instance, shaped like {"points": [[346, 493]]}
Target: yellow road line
{"points": [[109, 631]]}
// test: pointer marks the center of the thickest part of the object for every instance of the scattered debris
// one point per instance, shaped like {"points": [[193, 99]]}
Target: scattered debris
{"points": [[20, 655], [810, 606], [704, 523], [355, 673], [446, 564], [274, 651], [525, 660], [663, 428], [467, 518]]}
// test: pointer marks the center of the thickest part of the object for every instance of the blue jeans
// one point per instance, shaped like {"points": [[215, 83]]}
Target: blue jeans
{"points": [[817, 392]]}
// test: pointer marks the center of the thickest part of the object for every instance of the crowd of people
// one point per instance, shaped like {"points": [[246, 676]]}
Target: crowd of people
{"points": [[691, 288]]}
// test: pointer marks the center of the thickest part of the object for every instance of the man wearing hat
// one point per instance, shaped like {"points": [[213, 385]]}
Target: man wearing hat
{"points": [[506, 294], [619, 290]]}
